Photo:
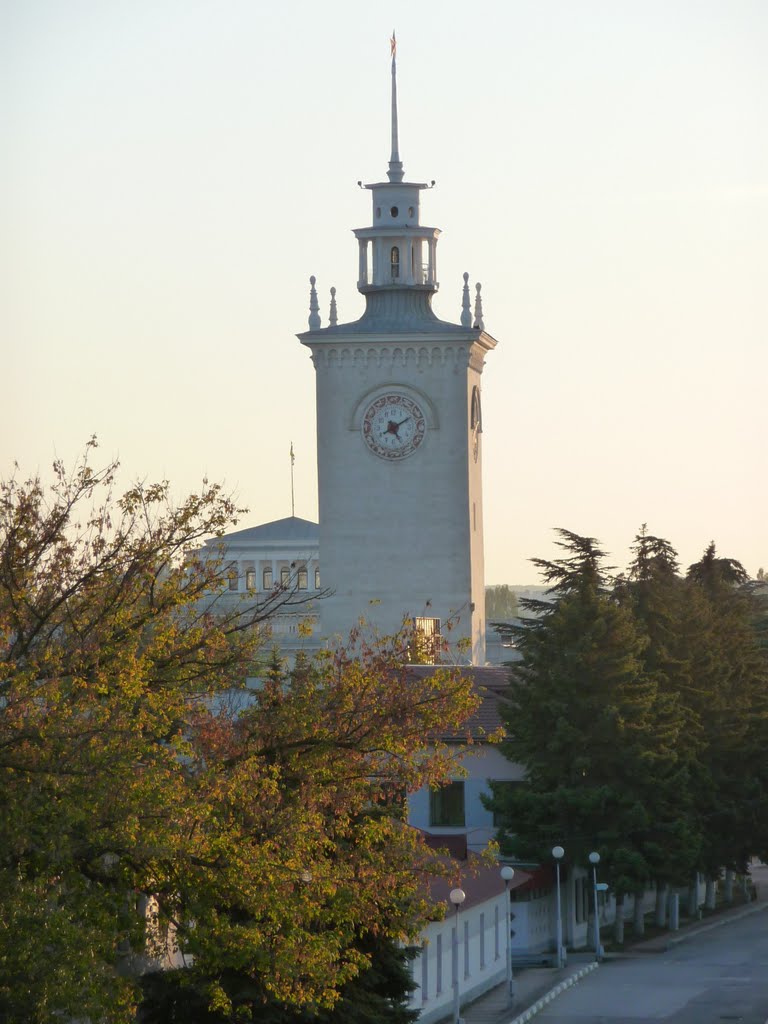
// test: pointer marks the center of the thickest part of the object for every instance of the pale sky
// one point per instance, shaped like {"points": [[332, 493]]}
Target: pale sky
{"points": [[172, 172]]}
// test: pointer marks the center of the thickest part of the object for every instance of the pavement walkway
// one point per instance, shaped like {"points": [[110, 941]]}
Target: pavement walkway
{"points": [[537, 986]]}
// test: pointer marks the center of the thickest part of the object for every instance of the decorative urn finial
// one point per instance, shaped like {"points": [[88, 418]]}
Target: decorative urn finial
{"points": [[479, 309], [314, 306], [466, 313]]}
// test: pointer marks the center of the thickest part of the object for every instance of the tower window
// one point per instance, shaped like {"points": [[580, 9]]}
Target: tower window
{"points": [[394, 261], [317, 579], [425, 645], [410, 211], [266, 579], [394, 211], [302, 579], [232, 577], [285, 576], [250, 579], [378, 211]]}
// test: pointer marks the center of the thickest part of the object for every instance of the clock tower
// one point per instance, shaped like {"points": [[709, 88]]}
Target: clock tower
{"points": [[399, 429]]}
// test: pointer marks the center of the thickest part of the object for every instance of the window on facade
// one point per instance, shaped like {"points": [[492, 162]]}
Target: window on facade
{"points": [[302, 579], [250, 579], [496, 949], [482, 941], [266, 579], [439, 963], [466, 948], [425, 648], [232, 577], [394, 261], [285, 576], [446, 806], [317, 579]]}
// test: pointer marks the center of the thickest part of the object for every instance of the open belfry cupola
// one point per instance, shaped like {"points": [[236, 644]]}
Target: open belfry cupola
{"points": [[397, 250]]}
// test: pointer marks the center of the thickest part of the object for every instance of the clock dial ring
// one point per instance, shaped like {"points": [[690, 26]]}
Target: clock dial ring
{"points": [[393, 426]]}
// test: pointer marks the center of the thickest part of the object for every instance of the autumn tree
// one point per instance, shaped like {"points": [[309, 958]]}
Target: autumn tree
{"points": [[128, 776]]}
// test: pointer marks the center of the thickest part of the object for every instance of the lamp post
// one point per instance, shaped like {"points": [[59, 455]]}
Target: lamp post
{"points": [[558, 852], [457, 897], [594, 860], [508, 873]]}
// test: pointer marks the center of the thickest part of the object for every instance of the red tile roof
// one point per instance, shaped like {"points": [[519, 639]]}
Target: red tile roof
{"points": [[491, 684]]}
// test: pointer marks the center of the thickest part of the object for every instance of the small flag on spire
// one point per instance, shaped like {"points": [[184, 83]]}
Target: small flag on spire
{"points": [[293, 457], [393, 45]]}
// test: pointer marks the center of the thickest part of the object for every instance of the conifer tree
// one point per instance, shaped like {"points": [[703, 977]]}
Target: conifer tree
{"points": [[655, 593], [584, 720], [731, 697]]}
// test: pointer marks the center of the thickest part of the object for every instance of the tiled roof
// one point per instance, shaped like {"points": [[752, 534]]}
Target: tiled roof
{"points": [[479, 880], [492, 684]]}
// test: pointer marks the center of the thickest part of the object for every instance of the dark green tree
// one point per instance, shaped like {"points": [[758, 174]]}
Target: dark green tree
{"points": [[501, 603], [379, 995], [730, 696], [658, 598], [584, 719]]}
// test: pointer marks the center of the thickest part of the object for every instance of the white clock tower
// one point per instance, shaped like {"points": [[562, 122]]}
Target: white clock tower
{"points": [[399, 427]]}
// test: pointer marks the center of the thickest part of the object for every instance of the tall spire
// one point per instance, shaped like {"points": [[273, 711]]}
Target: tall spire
{"points": [[395, 172]]}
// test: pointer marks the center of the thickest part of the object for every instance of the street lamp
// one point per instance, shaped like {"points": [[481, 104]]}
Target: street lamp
{"points": [[594, 860], [457, 897], [508, 873], [558, 853]]}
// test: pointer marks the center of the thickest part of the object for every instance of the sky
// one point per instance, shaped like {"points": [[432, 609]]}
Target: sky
{"points": [[172, 172]]}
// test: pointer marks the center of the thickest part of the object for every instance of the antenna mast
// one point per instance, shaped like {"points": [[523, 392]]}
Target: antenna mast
{"points": [[293, 504]]}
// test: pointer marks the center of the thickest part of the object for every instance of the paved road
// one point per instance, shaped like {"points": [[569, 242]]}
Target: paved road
{"points": [[717, 977]]}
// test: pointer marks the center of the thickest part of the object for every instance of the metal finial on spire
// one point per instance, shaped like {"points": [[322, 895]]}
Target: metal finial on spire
{"points": [[479, 309], [333, 318], [395, 172], [314, 306], [466, 313]]}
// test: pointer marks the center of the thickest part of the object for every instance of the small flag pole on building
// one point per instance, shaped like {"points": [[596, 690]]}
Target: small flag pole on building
{"points": [[293, 506]]}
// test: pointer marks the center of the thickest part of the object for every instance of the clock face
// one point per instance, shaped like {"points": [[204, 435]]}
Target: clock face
{"points": [[393, 426]]}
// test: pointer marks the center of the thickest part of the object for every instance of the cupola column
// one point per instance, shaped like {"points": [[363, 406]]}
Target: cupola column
{"points": [[363, 272]]}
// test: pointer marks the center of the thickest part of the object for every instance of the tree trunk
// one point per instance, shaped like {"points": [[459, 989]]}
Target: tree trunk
{"points": [[693, 897], [674, 911], [728, 889], [639, 918], [662, 895], [710, 894], [618, 925]]}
